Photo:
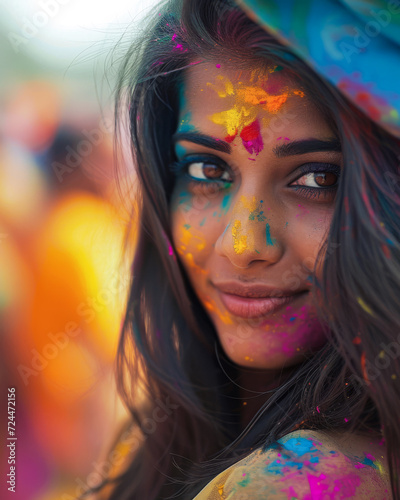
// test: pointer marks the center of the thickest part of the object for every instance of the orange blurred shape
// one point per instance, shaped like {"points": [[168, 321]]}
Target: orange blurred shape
{"points": [[32, 114], [68, 338]]}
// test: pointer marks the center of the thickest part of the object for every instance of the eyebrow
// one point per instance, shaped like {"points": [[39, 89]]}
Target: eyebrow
{"points": [[202, 140], [306, 146]]}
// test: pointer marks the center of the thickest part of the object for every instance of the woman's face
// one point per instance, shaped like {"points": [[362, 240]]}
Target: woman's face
{"points": [[257, 174]]}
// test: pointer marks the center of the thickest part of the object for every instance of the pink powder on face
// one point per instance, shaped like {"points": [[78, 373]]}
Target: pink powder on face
{"points": [[251, 138], [218, 66]]}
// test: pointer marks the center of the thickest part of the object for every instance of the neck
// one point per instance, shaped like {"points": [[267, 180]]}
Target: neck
{"points": [[256, 387]]}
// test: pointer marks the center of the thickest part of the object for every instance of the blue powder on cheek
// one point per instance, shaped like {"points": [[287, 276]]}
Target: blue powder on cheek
{"points": [[202, 222], [226, 202]]}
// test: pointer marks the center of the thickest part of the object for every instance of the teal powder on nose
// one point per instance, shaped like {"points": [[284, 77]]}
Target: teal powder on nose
{"points": [[270, 241]]}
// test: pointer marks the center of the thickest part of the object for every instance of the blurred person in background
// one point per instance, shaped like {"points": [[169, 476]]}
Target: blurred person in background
{"points": [[263, 314]]}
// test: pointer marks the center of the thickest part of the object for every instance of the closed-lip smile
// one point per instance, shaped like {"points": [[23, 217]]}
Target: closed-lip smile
{"points": [[255, 300]]}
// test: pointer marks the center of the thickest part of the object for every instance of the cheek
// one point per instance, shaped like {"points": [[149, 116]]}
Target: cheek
{"points": [[191, 233], [306, 231]]}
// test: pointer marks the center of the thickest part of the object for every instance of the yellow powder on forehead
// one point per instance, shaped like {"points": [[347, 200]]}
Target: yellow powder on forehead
{"points": [[223, 86], [247, 101], [234, 119]]}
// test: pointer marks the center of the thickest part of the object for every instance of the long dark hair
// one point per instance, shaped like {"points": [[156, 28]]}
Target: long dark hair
{"points": [[168, 347]]}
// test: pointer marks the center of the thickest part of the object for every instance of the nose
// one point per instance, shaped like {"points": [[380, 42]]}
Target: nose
{"points": [[251, 234]]}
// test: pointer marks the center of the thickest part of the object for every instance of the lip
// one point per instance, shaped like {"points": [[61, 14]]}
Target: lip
{"points": [[254, 301]]}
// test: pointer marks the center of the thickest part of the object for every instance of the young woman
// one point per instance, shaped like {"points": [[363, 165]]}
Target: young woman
{"points": [[263, 319]]}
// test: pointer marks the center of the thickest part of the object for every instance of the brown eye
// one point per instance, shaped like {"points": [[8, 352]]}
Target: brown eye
{"points": [[325, 179], [317, 179], [210, 171]]}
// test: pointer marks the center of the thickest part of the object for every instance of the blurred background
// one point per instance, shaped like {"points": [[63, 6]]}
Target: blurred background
{"points": [[63, 276]]}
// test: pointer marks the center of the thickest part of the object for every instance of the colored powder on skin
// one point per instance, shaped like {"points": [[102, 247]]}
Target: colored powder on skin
{"points": [[300, 446], [226, 202], [244, 482], [185, 199], [257, 214], [185, 125], [291, 493], [202, 222], [224, 317], [239, 240], [305, 211], [251, 138], [180, 151], [187, 226], [242, 117], [270, 242], [277, 467], [364, 306]]}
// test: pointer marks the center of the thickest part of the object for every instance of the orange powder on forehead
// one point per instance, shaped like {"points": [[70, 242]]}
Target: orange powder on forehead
{"points": [[248, 99]]}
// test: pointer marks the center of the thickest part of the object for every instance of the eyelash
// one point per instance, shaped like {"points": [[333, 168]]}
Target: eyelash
{"points": [[309, 192]]}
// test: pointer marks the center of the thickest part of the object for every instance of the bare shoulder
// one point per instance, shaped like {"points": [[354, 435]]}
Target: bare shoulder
{"points": [[306, 465]]}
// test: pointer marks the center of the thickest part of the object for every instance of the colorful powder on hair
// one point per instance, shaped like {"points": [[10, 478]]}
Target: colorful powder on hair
{"points": [[364, 306]]}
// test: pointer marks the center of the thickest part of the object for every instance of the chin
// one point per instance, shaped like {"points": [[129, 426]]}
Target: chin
{"points": [[246, 354]]}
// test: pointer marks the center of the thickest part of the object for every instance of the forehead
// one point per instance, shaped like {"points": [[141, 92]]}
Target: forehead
{"points": [[215, 94]]}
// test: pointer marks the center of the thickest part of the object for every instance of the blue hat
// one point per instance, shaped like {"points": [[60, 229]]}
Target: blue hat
{"points": [[354, 44]]}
